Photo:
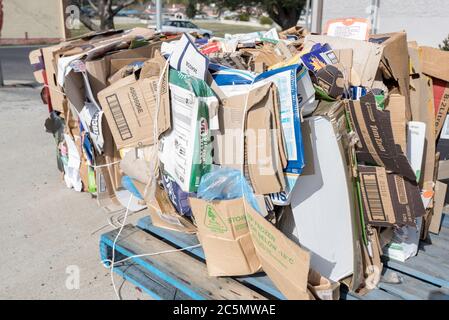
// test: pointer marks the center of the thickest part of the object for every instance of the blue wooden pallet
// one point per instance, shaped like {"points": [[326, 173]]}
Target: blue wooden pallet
{"points": [[422, 277], [182, 240], [169, 276]]}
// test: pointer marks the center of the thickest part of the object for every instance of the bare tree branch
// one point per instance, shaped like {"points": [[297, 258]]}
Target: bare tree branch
{"points": [[87, 21], [93, 5]]}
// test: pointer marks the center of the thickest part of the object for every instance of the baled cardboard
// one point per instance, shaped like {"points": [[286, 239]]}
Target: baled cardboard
{"points": [[283, 261], [225, 237], [130, 106], [389, 199]]}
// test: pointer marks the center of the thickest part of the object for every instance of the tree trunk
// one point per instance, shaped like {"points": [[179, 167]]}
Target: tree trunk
{"points": [[284, 17]]}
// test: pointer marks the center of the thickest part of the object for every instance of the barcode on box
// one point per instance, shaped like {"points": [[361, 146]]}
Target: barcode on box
{"points": [[400, 189], [374, 200], [119, 117]]}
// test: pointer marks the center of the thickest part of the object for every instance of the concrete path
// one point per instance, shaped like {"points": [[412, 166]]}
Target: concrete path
{"points": [[44, 228]]}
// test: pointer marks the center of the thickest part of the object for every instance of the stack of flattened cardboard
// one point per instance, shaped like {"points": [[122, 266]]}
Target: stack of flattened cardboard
{"points": [[307, 157]]}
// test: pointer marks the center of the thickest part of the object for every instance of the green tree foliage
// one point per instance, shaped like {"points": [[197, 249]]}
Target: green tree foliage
{"points": [[445, 45], [285, 13], [191, 9]]}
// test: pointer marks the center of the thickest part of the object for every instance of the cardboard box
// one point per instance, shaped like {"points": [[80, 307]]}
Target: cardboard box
{"points": [[101, 69], [440, 197], [225, 236], [163, 214], [435, 62], [377, 144], [56, 92], [322, 288], [186, 150], [365, 60], [264, 157], [441, 101], [389, 199], [283, 261], [395, 63], [423, 110], [130, 106]]}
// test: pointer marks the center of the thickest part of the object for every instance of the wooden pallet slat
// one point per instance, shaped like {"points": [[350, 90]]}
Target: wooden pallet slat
{"points": [[182, 240], [174, 271], [410, 288], [184, 276]]}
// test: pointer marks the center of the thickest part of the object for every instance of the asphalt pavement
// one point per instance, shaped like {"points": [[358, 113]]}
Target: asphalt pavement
{"points": [[15, 64]]}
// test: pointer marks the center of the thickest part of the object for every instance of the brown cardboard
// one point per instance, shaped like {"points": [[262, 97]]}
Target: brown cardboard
{"points": [[56, 92], [422, 110], [377, 144], [395, 62], [440, 197], [372, 264], [162, 212], [322, 288], [284, 262], [388, 199], [365, 60], [100, 70], [443, 170], [130, 106], [262, 125], [396, 105], [111, 158], [435, 63], [345, 57], [441, 100], [225, 237]]}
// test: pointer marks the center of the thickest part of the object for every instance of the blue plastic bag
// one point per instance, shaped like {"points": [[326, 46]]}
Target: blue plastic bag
{"points": [[226, 184]]}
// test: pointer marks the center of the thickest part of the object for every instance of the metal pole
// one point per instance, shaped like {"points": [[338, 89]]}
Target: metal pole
{"points": [[317, 16], [307, 18], [2, 83], [375, 4], [158, 15]]}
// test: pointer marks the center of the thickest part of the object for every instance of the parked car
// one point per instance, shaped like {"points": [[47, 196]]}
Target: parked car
{"points": [[129, 13], [179, 26]]}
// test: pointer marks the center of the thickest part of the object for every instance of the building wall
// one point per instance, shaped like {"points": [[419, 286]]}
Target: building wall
{"points": [[426, 21], [32, 21]]}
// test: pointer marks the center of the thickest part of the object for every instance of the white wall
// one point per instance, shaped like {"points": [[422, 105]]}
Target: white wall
{"points": [[39, 19], [426, 21]]}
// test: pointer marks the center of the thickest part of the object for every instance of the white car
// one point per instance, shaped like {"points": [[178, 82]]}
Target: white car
{"points": [[180, 26]]}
